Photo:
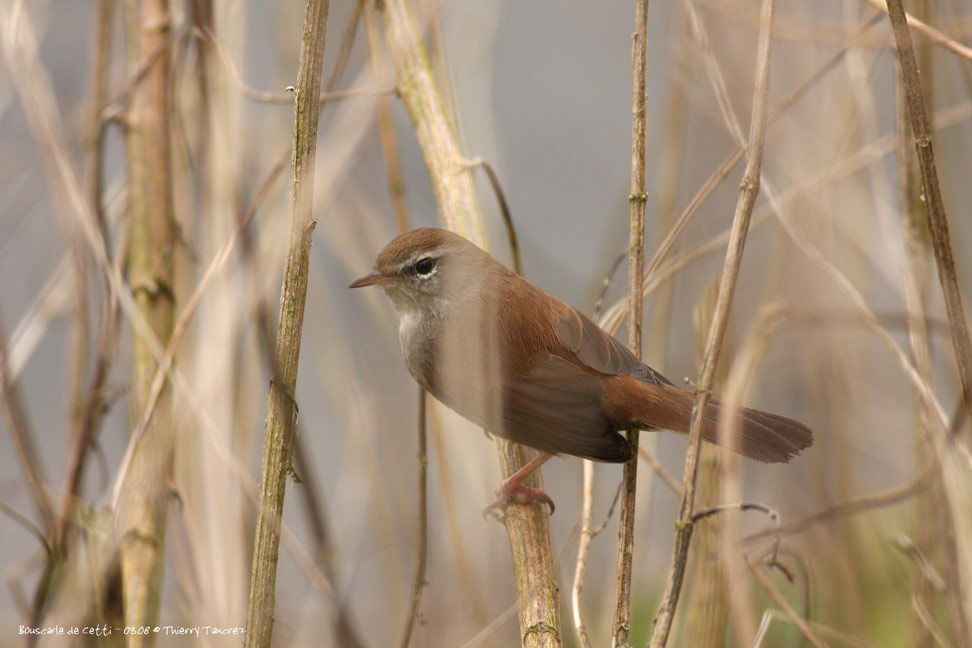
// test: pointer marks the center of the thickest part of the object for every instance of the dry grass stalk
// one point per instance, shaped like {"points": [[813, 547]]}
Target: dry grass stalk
{"points": [[386, 130], [708, 607], [749, 188], [418, 580], [934, 536], [654, 271], [927, 31], [282, 414], [583, 549], [621, 624], [942, 247], [534, 574], [937, 220]]}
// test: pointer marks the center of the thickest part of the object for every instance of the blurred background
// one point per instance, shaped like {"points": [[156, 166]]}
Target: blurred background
{"points": [[838, 312]]}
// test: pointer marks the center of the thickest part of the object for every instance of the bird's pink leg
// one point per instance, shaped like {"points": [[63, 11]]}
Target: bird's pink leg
{"points": [[512, 489]]}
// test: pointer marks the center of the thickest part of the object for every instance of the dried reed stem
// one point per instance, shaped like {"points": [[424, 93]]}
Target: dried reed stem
{"points": [[386, 129], [143, 508], [534, 573], [15, 416], [942, 248], [418, 581], [708, 604], [935, 535], [281, 410], [621, 625], [927, 31], [89, 404], [748, 191], [937, 220], [618, 312], [783, 604], [583, 549]]}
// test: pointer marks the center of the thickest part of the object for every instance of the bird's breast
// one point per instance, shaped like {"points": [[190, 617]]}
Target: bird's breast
{"points": [[417, 338]]}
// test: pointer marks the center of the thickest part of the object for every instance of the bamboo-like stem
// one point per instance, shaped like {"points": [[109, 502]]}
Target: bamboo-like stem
{"points": [[344, 628], [451, 176], [534, 573], [281, 409], [143, 509], [749, 188], [621, 625], [937, 220]]}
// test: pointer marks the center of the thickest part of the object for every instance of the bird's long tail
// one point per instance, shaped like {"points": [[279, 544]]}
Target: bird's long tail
{"points": [[762, 436]]}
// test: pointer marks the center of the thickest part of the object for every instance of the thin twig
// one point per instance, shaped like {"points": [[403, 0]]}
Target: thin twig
{"points": [[344, 52], [504, 208], [660, 470], [618, 312], [606, 283], [25, 522], [748, 191], [286, 98], [880, 499], [583, 549], [418, 581], [782, 603], [927, 31], [819, 628], [386, 129], [88, 405], [15, 416], [181, 326], [621, 623]]}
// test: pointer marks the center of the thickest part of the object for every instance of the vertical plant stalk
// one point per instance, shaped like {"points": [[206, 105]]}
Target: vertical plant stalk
{"points": [[621, 625], [708, 606], [528, 529], [937, 220], [281, 408], [942, 248], [386, 129], [583, 549], [748, 190], [934, 536], [88, 406], [418, 581], [143, 509]]}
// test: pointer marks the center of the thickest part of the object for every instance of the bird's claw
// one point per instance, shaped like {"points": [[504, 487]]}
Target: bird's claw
{"points": [[518, 493]]}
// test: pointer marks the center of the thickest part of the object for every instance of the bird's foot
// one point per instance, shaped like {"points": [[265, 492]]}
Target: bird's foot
{"points": [[514, 491]]}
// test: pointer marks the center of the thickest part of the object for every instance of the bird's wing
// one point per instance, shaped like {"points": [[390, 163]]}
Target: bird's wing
{"points": [[557, 408], [595, 349]]}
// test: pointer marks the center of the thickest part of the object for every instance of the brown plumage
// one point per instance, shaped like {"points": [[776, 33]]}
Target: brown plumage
{"points": [[527, 366]]}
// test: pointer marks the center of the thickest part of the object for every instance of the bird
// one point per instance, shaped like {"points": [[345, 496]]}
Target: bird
{"points": [[528, 367]]}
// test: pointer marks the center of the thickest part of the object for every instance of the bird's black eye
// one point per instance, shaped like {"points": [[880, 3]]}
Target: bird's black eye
{"points": [[425, 266]]}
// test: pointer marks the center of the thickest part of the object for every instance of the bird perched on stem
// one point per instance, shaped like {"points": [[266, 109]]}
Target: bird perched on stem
{"points": [[524, 365]]}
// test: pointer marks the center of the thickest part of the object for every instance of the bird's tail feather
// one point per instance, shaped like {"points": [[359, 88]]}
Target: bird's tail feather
{"points": [[766, 437]]}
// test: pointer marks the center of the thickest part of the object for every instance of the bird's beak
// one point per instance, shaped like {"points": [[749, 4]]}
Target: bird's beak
{"points": [[374, 279]]}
